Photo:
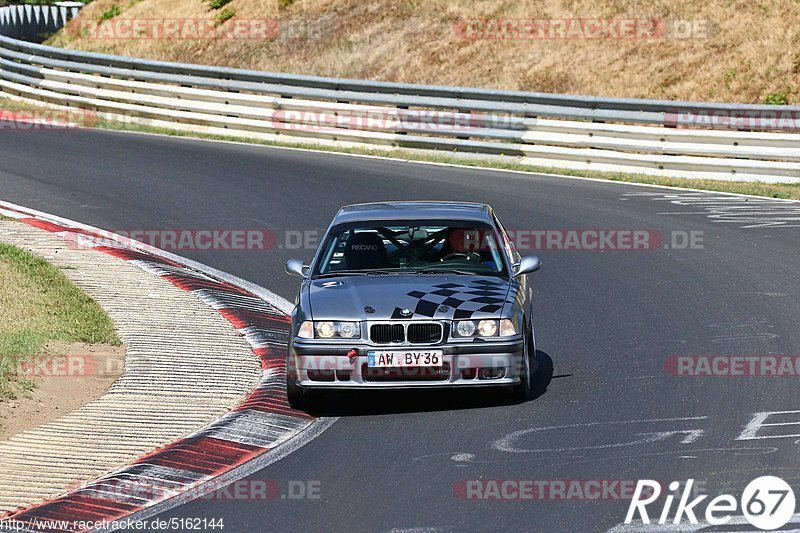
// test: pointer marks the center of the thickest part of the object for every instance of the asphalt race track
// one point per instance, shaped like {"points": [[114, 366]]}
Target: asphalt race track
{"points": [[607, 321]]}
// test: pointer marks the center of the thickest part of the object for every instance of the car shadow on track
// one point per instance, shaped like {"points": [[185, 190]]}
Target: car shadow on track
{"points": [[374, 402]]}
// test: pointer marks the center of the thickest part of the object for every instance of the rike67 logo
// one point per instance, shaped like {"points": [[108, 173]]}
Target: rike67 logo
{"points": [[767, 503]]}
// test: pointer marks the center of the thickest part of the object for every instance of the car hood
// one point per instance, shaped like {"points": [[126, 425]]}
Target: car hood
{"points": [[408, 297]]}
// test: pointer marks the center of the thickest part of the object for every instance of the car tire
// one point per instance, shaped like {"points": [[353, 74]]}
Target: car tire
{"points": [[298, 398], [523, 391]]}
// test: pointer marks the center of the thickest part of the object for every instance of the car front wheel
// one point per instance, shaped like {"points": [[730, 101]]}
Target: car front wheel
{"points": [[297, 397], [523, 391]]}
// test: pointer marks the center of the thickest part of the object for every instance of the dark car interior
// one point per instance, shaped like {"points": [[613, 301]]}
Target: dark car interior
{"points": [[418, 247]]}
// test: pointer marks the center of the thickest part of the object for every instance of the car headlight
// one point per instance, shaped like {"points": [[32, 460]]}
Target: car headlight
{"points": [[348, 330], [465, 328], [487, 328], [329, 330], [325, 330], [484, 328], [306, 330], [507, 328]]}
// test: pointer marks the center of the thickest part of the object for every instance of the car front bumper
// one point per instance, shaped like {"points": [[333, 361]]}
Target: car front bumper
{"points": [[327, 366]]}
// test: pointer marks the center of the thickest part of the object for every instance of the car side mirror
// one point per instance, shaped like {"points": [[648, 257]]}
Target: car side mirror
{"points": [[296, 267], [528, 264]]}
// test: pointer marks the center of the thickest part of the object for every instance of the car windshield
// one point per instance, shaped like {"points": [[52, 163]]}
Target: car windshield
{"points": [[460, 247]]}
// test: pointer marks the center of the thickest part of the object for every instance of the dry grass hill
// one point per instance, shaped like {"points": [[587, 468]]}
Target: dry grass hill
{"points": [[714, 50]]}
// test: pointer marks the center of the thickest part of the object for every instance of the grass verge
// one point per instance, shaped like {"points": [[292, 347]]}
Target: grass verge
{"points": [[770, 190], [39, 304]]}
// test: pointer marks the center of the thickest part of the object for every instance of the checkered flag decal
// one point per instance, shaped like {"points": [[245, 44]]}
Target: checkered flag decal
{"points": [[456, 301]]}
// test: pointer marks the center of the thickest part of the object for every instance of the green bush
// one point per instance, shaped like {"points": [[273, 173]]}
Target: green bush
{"points": [[217, 4], [110, 13], [777, 99], [225, 15]]}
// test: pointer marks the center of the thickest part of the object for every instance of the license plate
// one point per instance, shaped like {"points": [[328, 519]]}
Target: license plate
{"points": [[397, 358]]}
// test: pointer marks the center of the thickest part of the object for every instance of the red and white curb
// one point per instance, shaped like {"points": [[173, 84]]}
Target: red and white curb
{"points": [[261, 430]]}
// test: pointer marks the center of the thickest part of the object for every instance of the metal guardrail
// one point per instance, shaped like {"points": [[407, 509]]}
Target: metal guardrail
{"points": [[550, 130]]}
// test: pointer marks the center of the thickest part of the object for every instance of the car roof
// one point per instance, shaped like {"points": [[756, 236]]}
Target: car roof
{"points": [[414, 209]]}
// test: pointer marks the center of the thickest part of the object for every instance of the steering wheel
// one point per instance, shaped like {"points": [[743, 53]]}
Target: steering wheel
{"points": [[472, 257]]}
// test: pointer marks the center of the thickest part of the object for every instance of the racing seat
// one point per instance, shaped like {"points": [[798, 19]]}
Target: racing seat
{"points": [[365, 251]]}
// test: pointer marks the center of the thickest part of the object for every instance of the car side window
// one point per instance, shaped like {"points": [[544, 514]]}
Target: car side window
{"points": [[507, 243]]}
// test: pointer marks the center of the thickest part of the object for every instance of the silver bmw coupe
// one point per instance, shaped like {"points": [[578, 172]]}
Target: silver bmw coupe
{"points": [[412, 295]]}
